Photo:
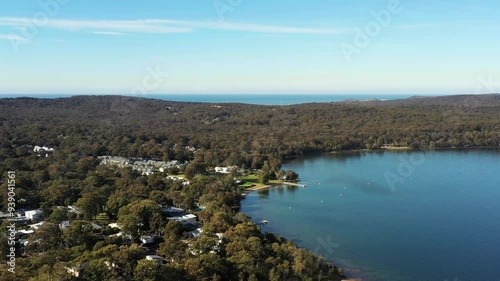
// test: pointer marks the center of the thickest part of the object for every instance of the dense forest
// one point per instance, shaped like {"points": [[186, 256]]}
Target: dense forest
{"points": [[201, 135]]}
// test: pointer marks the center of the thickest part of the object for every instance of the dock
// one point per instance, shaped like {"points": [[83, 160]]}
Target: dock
{"points": [[294, 184]]}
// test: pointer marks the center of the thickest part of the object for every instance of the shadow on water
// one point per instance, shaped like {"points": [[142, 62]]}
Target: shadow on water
{"points": [[264, 193]]}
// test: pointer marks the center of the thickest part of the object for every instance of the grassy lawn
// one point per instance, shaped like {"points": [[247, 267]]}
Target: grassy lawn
{"points": [[102, 218], [252, 180]]}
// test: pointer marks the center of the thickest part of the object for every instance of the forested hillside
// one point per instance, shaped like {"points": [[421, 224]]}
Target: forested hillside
{"points": [[237, 134]]}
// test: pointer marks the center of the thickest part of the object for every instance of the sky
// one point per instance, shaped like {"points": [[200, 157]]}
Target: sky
{"points": [[249, 46]]}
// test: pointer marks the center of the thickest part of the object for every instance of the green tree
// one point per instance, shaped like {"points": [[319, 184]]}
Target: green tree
{"points": [[79, 233], [91, 204], [58, 215], [264, 177], [205, 267], [138, 215], [127, 257], [147, 270], [291, 175], [46, 238]]}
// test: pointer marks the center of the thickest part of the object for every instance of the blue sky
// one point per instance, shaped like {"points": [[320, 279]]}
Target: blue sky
{"points": [[249, 46]]}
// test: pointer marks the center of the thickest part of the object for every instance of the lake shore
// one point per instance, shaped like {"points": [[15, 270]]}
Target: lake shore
{"points": [[266, 186], [335, 215]]}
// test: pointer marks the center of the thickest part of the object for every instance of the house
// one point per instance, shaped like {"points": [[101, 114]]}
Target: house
{"points": [[219, 235], [33, 214], [75, 210], [196, 233], [172, 210], [114, 225], [65, 224], [37, 226], [175, 178], [95, 226], [4, 215], [154, 258], [120, 234], [111, 265], [223, 170], [146, 239], [25, 232], [187, 219], [19, 220], [43, 150], [74, 271]]}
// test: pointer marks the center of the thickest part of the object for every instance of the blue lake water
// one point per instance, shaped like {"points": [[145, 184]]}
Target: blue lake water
{"points": [[410, 216]]}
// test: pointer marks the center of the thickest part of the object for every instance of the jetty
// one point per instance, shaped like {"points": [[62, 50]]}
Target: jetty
{"points": [[294, 184]]}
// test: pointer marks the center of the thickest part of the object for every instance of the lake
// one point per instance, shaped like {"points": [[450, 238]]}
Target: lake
{"points": [[424, 215]]}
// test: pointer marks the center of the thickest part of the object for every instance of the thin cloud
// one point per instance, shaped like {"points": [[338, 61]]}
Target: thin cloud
{"points": [[163, 26], [109, 33], [12, 37], [132, 26], [412, 26]]}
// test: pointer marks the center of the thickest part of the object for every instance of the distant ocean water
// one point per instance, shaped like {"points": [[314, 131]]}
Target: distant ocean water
{"points": [[262, 99]]}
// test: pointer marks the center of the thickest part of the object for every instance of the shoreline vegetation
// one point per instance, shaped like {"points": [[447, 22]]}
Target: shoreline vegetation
{"points": [[74, 131], [406, 148]]}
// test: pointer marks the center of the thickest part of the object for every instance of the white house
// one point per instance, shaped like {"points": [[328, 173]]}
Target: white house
{"points": [[223, 170], [196, 233], [154, 258], [187, 219], [25, 232], [76, 210], [114, 225], [36, 226], [33, 214], [42, 149]]}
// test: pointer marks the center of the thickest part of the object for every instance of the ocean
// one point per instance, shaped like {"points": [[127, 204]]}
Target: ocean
{"points": [[262, 99]]}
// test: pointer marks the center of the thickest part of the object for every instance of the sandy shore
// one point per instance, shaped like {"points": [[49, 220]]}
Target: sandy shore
{"points": [[261, 187]]}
